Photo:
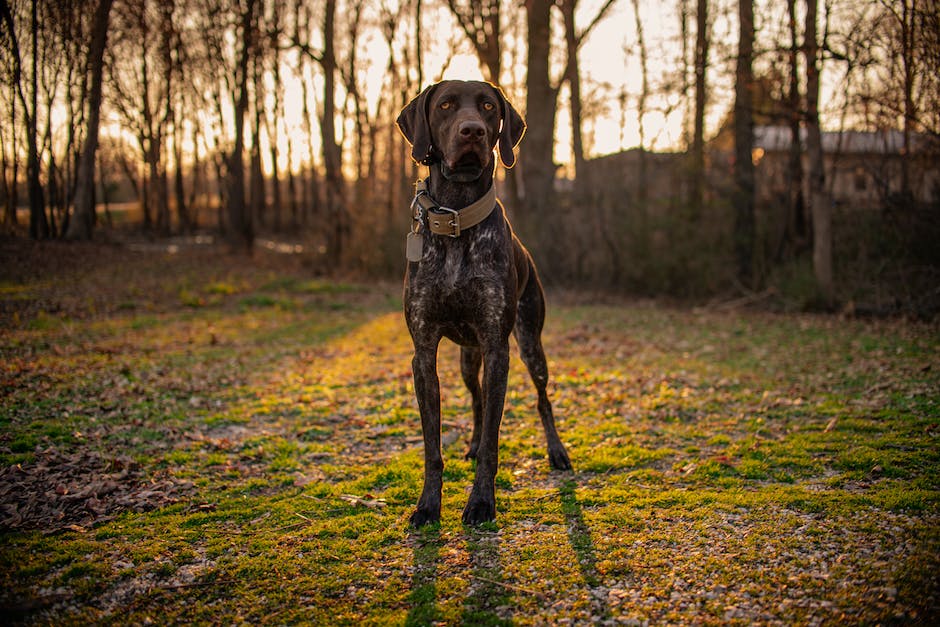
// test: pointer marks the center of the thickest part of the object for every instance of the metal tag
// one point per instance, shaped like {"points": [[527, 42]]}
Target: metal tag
{"points": [[414, 246]]}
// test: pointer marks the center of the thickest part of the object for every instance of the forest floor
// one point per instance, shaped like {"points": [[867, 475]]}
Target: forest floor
{"points": [[191, 437]]}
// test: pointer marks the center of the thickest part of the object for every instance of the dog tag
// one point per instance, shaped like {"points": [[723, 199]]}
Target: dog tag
{"points": [[414, 246]]}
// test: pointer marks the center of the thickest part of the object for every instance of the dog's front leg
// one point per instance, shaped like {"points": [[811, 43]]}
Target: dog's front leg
{"points": [[428, 394], [481, 507]]}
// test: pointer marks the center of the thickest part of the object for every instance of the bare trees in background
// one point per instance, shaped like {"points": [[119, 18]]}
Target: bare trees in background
{"points": [[24, 84]]}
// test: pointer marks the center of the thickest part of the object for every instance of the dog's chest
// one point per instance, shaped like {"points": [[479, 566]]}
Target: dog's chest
{"points": [[454, 265], [461, 279]]}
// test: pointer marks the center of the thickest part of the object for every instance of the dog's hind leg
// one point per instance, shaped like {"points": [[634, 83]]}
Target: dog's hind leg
{"points": [[471, 359], [528, 331]]}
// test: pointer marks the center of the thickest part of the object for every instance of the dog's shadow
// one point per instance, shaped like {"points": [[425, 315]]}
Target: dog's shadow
{"points": [[579, 537], [487, 600], [427, 556]]}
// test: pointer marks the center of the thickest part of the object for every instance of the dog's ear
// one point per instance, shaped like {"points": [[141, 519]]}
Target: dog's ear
{"points": [[511, 132], [413, 123]]}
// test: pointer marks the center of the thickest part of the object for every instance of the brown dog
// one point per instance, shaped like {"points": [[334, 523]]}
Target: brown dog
{"points": [[469, 279]]}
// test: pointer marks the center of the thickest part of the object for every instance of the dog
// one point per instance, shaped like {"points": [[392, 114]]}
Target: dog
{"points": [[469, 279]]}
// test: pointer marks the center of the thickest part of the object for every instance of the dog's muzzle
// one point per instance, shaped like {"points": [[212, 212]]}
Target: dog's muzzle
{"points": [[468, 169]]}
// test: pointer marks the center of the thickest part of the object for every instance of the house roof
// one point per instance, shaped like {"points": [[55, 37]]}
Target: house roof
{"points": [[777, 138]]}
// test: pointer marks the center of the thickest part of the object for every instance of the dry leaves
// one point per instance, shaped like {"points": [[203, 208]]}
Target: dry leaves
{"points": [[77, 490]]}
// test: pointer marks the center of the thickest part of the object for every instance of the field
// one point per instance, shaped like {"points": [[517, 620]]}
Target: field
{"points": [[200, 438]]}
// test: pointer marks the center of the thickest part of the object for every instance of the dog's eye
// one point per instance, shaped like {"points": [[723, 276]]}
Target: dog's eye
{"points": [[488, 106], [445, 106]]}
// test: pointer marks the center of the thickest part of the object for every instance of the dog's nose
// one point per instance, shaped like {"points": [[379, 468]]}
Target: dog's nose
{"points": [[471, 130]]}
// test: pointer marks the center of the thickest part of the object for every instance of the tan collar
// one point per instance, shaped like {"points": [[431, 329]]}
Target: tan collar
{"points": [[446, 221]]}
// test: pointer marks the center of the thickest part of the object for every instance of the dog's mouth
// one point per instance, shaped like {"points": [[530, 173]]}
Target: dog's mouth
{"points": [[466, 169]]}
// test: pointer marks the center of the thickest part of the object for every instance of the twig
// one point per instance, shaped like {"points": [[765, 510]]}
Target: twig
{"points": [[878, 387], [535, 593], [194, 584], [291, 526], [749, 298]]}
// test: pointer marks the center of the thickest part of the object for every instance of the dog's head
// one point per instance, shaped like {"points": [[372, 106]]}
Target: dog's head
{"points": [[459, 124]]}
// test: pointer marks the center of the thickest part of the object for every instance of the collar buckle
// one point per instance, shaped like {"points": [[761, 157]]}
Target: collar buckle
{"points": [[454, 223]]}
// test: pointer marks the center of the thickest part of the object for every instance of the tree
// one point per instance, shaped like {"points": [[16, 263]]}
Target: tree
{"points": [[38, 224], [642, 102], [9, 146], [273, 124], [537, 162], [904, 32], [796, 222], [240, 232], [256, 185], [335, 222], [479, 20], [572, 75], [142, 80], [700, 65], [743, 199], [337, 226], [83, 219], [538, 166], [818, 199]]}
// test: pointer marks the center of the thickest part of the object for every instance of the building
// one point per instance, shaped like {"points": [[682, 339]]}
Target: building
{"points": [[864, 170]]}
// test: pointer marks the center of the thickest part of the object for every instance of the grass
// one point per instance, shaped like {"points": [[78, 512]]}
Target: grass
{"points": [[260, 432]]}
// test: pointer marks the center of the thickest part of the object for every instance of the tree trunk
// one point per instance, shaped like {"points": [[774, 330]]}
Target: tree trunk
{"points": [[697, 200], [179, 190], [642, 187], [743, 145], [818, 199], [361, 189], [9, 210], [177, 116], [240, 230], [272, 129], [796, 227], [83, 219], [310, 190], [573, 77], [684, 37], [256, 184], [38, 224], [11, 197], [537, 162], [291, 185], [908, 42], [332, 152], [419, 56], [198, 181]]}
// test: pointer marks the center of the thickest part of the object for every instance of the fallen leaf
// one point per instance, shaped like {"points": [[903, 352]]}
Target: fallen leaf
{"points": [[365, 501]]}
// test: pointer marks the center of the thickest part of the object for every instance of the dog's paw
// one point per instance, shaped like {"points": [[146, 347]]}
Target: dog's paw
{"points": [[478, 511], [424, 516], [558, 458]]}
